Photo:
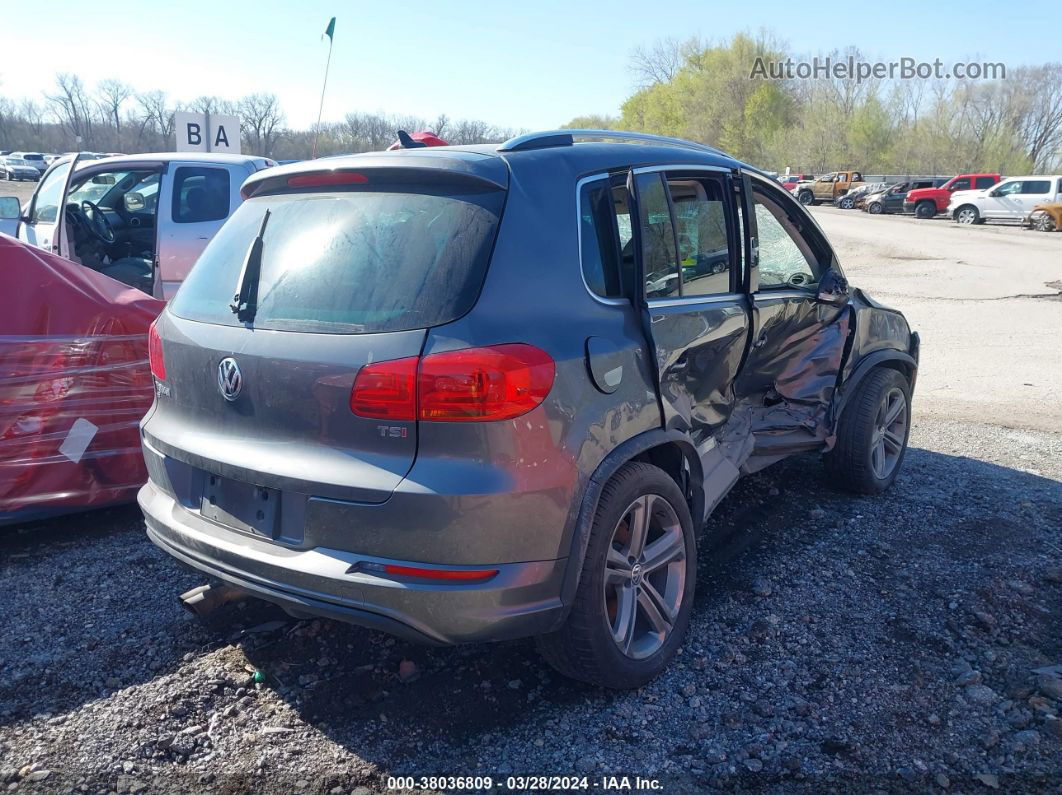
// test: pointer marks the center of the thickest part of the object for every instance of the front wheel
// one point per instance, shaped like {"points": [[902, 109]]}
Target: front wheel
{"points": [[1042, 222], [925, 210], [872, 433], [806, 198], [967, 214], [635, 593]]}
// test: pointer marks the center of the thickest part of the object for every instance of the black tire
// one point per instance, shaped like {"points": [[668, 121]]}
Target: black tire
{"points": [[584, 647], [806, 197], [925, 209], [851, 462], [847, 203], [875, 208]]}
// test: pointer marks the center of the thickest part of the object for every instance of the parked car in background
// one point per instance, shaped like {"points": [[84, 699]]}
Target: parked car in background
{"points": [[413, 422], [892, 198], [140, 219], [1010, 201], [790, 181], [14, 168], [1045, 218], [35, 159], [827, 187], [930, 202], [853, 198]]}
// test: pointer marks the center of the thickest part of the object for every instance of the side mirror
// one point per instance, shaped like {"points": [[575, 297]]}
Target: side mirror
{"points": [[833, 288], [10, 209], [134, 202], [995, 194]]}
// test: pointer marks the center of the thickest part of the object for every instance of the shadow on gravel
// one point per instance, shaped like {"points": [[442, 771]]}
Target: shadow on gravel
{"points": [[93, 610]]}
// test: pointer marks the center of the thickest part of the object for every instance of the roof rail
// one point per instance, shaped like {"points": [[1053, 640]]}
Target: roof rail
{"points": [[551, 138]]}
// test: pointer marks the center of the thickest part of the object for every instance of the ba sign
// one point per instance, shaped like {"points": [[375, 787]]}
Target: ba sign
{"points": [[207, 132]]}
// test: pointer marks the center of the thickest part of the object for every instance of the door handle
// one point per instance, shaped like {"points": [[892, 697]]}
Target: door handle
{"points": [[760, 340]]}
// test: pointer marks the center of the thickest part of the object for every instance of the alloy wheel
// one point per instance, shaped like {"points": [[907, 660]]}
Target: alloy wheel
{"points": [[645, 576], [1044, 223], [890, 433], [966, 216]]}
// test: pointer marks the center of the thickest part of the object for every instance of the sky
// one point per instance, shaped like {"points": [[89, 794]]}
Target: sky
{"points": [[535, 65]]}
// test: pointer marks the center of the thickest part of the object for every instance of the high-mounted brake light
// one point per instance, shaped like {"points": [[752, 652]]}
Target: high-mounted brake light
{"points": [[499, 382], [158, 364], [325, 178], [386, 390]]}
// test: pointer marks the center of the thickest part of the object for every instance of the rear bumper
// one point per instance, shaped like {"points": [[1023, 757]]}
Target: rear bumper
{"points": [[522, 599]]}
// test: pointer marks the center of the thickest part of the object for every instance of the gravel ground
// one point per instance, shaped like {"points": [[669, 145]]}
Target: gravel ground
{"points": [[890, 643]]}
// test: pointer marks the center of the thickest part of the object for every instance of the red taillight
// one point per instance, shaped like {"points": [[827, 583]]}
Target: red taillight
{"points": [[463, 576], [471, 385], [483, 384], [386, 390], [158, 364], [322, 179]]}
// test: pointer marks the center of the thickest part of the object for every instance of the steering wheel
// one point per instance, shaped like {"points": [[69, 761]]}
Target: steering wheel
{"points": [[97, 224]]}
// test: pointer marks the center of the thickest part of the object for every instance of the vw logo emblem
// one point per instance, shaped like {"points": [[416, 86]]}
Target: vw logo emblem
{"points": [[230, 380]]}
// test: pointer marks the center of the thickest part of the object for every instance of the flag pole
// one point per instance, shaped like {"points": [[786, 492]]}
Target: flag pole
{"points": [[320, 108]]}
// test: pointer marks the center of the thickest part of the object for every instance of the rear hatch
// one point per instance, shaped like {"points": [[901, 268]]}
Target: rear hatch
{"points": [[354, 269]]}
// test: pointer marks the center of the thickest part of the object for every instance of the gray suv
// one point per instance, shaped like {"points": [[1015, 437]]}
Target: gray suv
{"points": [[471, 393]]}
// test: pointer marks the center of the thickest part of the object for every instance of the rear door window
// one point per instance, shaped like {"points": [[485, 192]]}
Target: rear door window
{"points": [[1036, 187], [200, 194], [700, 217], [980, 183], [355, 261], [960, 184], [659, 256]]}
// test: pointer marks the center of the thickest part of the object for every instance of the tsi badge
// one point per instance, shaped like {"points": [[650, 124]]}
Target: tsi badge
{"points": [[230, 379]]}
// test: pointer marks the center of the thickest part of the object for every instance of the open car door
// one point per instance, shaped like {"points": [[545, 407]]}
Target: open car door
{"points": [[43, 225]]}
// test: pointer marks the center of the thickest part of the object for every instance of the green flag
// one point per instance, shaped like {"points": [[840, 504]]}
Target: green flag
{"points": [[331, 29]]}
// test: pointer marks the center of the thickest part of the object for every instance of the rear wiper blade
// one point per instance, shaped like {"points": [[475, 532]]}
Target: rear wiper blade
{"points": [[245, 301]]}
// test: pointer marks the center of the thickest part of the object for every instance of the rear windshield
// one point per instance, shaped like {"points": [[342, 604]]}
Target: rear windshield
{"points": [[350, 262]]}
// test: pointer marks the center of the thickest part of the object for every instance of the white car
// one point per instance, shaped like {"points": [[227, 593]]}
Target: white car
{"points": [[140, 219], [35, 159], [1010, 200]]}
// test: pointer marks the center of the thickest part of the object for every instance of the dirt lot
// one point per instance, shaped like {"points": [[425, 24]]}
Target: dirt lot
{"points": [[24, 190], [903, 643]]}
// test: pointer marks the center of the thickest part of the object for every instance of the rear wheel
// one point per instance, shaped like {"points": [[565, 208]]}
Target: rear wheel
{"points": [[967, 214], [635, 593], [872, 433], [875, 208], [847, 203], [925, 210]]}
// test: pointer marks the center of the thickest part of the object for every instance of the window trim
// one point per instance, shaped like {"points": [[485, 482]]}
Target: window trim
{"points": [[690, 300]]}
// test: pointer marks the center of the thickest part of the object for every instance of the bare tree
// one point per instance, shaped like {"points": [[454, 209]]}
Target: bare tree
{"points": [[155, 116], [113, 94], [261, 117], [72, 107], [661, 61]]}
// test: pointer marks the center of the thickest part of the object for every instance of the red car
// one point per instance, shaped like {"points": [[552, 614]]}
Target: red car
{"points": [[789, 181], [928, 202]]}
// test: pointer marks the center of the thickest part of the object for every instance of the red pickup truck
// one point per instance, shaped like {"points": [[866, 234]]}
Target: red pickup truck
{"points": [[928, 202]]}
